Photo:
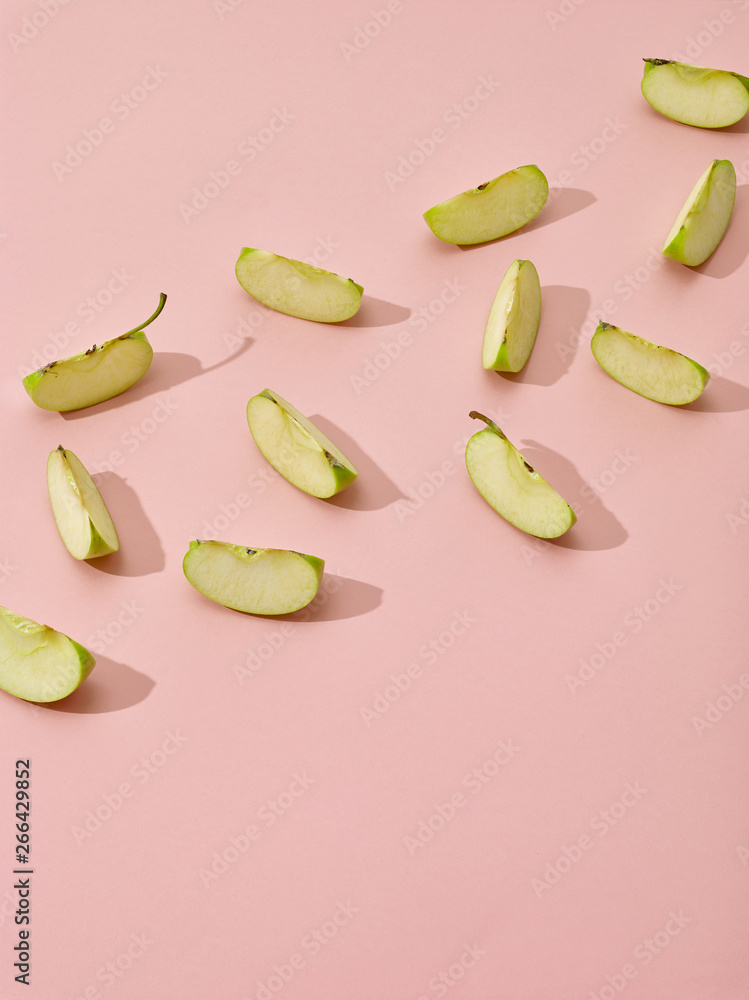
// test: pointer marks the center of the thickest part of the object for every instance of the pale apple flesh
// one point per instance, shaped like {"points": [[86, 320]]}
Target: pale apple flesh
{"points": [[704, 217], [513, 320], [37, 663], [512, 487], [296, 448], [297, 289], [98, 374], [256, 581], [81, 515], [695, 95], [650, 370], [491, 210]]}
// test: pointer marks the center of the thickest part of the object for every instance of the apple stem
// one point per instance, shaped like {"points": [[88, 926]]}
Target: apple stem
{"points": [[480, 416], [658, 62], [159, 307]]}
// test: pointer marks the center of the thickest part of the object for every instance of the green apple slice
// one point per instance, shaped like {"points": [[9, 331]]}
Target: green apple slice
{"points": [[512, 487], [80, 513], [297, 289], [513, 319], [257, 581], [650, 370], [98, 374], [494, 209], [703, 220], [38, 663], [695, 95], [296, 448]]}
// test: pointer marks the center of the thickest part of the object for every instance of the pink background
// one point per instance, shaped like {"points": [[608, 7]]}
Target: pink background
{"points": [[608, 853]]}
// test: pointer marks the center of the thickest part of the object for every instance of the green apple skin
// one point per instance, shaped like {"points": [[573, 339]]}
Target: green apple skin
{"points": [[513, 320], [650, 370], [98, 374], [38, 663], [297, 449], [80, 513], [695, 95], [704, 217], [512, 487], [255, 581], [297, 289], [493, 209]]}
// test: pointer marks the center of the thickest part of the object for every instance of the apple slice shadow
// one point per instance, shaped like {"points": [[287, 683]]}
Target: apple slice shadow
{"points": [[562, 307], [596, 527], [732, 250], [562, 202], [167, 370], [349, 599], [111, 687], [376, 312], [372, 489], [741, 127], [720, 395], [140, 552]]}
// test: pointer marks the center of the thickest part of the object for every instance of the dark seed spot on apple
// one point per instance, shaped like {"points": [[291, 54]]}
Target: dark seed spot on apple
{"points": [[658, 62], [483, 186], [250, 552], [528, 467], [91, 349]]}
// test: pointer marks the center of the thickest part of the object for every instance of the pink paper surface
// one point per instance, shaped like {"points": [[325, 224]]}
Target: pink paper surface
{"points": [[483, 767]]}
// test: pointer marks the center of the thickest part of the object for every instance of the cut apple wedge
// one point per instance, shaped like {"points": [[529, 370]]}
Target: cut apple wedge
{"points": [[80, 513], [513, 320], [704, 218], [695, 95], [512, 487], [98, 374], [38, 663], [656, 372], [494, 209], [297, 289], [256, 581], [296, 448]]}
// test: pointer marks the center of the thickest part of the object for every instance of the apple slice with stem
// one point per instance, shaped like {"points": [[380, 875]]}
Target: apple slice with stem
{"points": [[96, 375], [656, 372], [512, 487], [37, 663], [80, 513], [513, 319], [297, 289], [695, 95], [296, 448], [704, 218], [256, 581], [493, 209]]}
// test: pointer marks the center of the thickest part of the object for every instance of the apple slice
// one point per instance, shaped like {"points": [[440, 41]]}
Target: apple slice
{"points": [[297, 289], [257, 581], [98, 374], [80, 513], [695, 95], [494, 209], [703, 220], [650, 370], [38, 663], [296, 448], [513, 319], [512, 487]]}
